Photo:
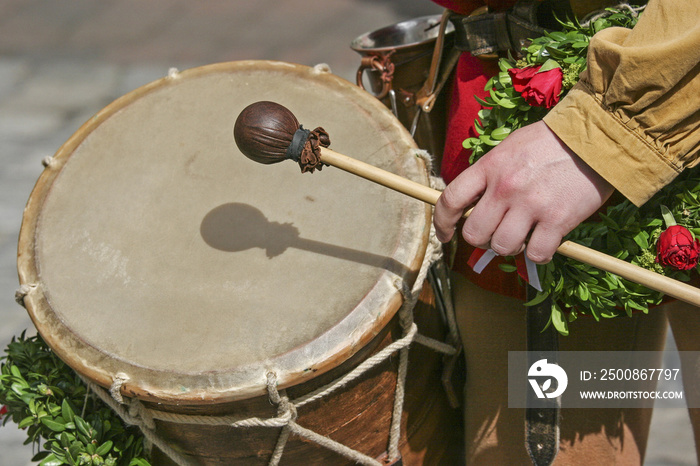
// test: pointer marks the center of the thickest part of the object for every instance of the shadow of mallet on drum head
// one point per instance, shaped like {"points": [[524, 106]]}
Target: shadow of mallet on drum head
{"points": [[236, 227]]}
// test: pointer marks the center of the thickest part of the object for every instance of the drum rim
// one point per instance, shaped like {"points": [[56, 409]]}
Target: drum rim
{"points": [[43, 316]]}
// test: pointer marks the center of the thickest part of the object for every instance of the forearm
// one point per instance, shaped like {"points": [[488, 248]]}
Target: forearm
{"points": [[634, 117]]}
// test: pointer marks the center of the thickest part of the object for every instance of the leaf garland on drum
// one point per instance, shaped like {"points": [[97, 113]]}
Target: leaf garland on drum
{"points": [[659, 236], [68, 425]]}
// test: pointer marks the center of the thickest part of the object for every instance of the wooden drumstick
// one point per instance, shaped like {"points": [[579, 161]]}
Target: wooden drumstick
{"points": [[267, 132]]}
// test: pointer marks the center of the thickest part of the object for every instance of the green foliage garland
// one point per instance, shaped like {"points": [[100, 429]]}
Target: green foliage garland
{"points": [[623, 230], [48, 399]]}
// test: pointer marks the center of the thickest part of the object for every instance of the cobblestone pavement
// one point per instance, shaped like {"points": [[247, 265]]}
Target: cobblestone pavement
{"points": [[62, 61]]}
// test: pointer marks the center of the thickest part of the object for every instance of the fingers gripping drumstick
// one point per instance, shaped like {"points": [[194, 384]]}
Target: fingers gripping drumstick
{"points": [[267, 132]]}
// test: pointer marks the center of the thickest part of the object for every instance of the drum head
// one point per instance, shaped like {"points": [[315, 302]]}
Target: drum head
{"points": [[153, 248]]}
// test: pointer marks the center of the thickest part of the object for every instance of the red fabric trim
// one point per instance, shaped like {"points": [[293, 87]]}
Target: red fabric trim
{"points": [[475, 256]]}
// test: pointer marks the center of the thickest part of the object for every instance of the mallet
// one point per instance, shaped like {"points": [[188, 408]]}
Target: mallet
{"points": [[267, 132]]}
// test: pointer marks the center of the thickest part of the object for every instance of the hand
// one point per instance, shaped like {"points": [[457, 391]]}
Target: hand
{"points": [[530, 185]]}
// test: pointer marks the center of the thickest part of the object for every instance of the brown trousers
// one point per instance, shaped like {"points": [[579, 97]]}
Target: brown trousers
{"points": [[491, 325]]}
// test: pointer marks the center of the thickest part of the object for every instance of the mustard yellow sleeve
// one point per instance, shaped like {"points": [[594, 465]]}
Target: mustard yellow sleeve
{"points": [[634, 116]]}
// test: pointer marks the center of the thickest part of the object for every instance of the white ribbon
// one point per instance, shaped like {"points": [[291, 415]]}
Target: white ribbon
{"points": [[532, 278]]}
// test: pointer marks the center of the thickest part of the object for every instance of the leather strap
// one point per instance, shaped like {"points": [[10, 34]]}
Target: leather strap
{"points": [[490, 33], [439, 72], [541, 416]]}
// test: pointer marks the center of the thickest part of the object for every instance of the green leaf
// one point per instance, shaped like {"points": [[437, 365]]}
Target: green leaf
{"points": [[51, 460], [76, 449], [483, 102], [540, 297], [40, 456], [642, 239], [470, 143], [83, 427], [500, 133], [104, 448], [503, 102], [67, 411], [507, 267], [555, 53], [53, 425], [557, 35], [559, 321], [26, 422], [609, 221], [666, 214], [549, 65], [14, 370], [139, 462], [65, 440], [488, 141], [504, 79], [505, 64]]}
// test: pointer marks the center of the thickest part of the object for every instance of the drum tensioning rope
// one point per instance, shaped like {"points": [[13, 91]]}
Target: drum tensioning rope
{"points": [[268, 132]]}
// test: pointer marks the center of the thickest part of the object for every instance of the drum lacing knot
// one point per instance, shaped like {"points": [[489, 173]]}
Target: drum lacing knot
{"points": [[22, 293], [322, 68], [116, 388], [286, 411], [48, 161], [406, 311], [136, 413]]}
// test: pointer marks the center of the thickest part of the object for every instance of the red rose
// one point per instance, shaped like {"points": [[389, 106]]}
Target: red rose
{"points": [[3, 411], [538, 88], [677, 248]]}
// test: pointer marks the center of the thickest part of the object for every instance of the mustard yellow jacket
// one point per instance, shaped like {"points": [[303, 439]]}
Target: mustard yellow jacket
{"points": [[634, 117]]}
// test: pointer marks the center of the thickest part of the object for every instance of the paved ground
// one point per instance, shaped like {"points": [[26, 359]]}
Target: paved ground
{"points": [[62, 61]]}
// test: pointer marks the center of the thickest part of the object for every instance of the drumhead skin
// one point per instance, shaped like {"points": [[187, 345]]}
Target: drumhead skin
{"points": [[151, 247]]}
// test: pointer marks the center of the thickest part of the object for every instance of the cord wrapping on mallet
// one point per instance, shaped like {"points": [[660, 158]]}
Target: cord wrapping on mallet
{"points": [[296, 147]]}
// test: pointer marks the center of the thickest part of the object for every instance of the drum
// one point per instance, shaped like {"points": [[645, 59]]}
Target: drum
{"points": [[155, 255]]}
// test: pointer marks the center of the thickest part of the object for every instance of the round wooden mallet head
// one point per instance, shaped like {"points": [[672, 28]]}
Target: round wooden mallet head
{"points": [[268, 132]]}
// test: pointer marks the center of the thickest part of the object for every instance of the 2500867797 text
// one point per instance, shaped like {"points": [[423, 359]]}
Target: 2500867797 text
{"points": [[630, 374]]}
